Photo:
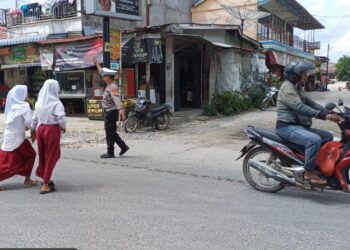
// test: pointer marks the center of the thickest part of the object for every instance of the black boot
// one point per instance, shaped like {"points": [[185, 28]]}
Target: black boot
{"points": [[107, 156], [124, 150]]}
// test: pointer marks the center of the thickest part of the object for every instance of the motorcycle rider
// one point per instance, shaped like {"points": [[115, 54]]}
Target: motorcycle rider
{"points": [[295, 111]]}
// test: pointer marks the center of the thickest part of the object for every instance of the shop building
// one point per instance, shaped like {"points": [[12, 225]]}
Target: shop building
{"points": [[200, 58], [276, 32]]}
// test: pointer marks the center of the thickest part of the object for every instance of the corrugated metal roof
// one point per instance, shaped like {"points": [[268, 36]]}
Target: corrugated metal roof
{"points": [[293, 13], [22, 40], [68, 40]]}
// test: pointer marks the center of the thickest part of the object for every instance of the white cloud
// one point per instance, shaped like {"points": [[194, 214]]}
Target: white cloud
{"points": [[337, 33]]}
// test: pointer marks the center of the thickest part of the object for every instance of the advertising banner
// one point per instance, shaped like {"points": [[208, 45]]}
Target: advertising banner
{"points": [[129, 7], [115, 49], [122, 9], [19, 55], [78, 55], [146, 49], [46, 57]]}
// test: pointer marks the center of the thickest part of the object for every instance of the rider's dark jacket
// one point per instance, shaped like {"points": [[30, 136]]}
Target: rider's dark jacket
{"points": [[294, 107]]}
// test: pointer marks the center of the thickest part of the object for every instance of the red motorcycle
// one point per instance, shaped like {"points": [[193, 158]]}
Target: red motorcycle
{"points": [[271, 163]]}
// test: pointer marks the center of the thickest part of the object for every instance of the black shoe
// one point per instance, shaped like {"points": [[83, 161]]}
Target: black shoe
{"points": [[124, 150], [51, 184], [107, 156], [51, 190]]}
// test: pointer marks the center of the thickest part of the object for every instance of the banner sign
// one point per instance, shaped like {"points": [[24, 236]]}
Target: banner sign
{"points": [[46, 57], [19, 55], [121, 9], [129, 7], [115, 49], [147, 49], [94, 109], [78, 55]]}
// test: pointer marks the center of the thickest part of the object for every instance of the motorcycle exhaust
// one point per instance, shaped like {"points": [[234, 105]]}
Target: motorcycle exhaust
{"points": [[271, 173]]}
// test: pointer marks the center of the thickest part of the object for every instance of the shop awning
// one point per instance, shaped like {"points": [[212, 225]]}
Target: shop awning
{"points": [[27, 65], [292, 12], [216, 44], [22, 40], [69, 39], [282, 59]]}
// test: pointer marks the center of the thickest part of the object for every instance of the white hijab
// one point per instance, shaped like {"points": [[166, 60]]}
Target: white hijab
{"points": [[15, 103], [48, 100]]}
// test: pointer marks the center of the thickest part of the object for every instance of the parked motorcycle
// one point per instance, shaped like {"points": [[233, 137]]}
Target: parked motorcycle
{"points": [[271, 163], [145, 115], [270, 99]]}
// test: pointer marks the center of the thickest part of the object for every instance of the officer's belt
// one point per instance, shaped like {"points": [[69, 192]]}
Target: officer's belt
{"points": [[110, 109]]}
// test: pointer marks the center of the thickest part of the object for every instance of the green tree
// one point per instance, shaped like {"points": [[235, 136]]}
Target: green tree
{"points": [[343, 68]]}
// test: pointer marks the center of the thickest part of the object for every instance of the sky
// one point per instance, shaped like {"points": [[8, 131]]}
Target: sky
{"points": [[334, 14]]}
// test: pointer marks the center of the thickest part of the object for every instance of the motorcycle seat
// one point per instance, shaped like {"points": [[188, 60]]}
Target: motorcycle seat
{"points": [[158, 109], [272, 135]]}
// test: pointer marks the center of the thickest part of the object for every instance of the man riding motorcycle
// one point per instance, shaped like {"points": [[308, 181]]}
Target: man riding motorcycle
{"points": [[295, 111]]}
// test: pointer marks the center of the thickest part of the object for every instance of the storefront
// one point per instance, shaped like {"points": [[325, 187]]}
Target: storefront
{"points": [[279, 55], [143, 57], [21, 65], [76, 73]]}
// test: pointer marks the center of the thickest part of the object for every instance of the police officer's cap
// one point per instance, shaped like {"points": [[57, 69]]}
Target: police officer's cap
{"points": [[108, 72]]}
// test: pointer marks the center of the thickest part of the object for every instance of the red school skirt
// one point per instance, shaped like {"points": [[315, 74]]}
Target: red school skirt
{"points": [[17, 162]]}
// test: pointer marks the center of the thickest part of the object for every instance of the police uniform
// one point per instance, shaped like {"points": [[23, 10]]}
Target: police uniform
{"points": [[111, 103]]}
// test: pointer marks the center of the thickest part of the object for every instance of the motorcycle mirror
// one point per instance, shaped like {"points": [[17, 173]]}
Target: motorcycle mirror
{"points": [[340, 102], [330, 106]]}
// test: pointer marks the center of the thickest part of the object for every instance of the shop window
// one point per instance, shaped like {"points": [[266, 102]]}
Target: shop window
{"points": [[98, 85], [72, 83], [37, 78]]}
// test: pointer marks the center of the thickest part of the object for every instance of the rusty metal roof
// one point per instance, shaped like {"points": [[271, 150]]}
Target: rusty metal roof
{"points": [[68, 40]]}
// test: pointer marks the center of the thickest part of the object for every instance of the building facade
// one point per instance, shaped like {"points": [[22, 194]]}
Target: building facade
{"points": [[276, 32], [34, 31]]}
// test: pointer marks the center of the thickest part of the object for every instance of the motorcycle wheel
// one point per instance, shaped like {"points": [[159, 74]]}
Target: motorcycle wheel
{"points": [[163, 122], [257, 179], [265, 104], [131, 124]]}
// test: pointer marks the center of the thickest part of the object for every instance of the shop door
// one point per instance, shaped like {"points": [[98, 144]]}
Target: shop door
{"points": [[188, 78]]}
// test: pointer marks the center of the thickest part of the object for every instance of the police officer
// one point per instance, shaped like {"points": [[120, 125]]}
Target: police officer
{"points": [[112, 106]]}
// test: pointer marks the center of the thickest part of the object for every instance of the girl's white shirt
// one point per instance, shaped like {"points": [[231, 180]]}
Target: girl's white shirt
{"points": [[18, 116], [15, 131], [49, 109], [52, 119]]}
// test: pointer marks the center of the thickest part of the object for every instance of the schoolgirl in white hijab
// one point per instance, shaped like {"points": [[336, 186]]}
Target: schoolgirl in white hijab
{"points": [[17, 155], [49, 119]]}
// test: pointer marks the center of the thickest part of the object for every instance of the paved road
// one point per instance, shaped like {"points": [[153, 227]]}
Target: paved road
{"points": [[171, 192]]}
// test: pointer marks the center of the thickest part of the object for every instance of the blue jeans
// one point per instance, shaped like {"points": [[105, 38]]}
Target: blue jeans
{"points": [[310, 138]]}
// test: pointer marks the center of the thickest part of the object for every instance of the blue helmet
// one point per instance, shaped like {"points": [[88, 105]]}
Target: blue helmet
{"points": [[293, 71]]}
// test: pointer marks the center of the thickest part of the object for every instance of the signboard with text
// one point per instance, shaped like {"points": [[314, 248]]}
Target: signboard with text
{"points": [[94, 109], [115, 49], [147, 49], [78, 55], [121, 9], [19, 55]]}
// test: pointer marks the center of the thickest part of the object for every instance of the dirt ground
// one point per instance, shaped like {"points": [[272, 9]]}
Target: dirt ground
{"points": [[82, 132]]}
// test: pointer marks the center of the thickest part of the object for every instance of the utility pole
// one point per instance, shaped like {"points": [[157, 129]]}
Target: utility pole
{"points": [[327, 70], [148, 65], [106, 45]]}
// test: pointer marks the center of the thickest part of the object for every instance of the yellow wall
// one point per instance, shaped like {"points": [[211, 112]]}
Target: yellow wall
{"points": [[210, 12]]}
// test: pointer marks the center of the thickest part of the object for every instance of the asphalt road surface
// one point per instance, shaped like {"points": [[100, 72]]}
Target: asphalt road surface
{"points": [[181, 190]]}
